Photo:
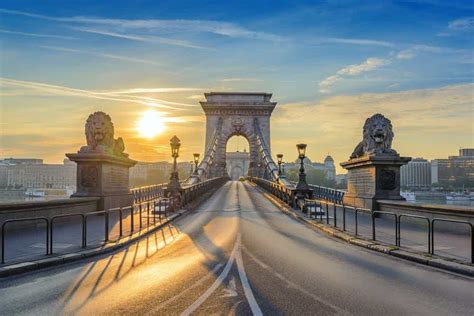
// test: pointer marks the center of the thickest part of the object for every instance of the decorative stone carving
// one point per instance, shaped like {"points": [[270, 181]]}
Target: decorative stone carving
{"points": [[102, 165], [99, 132], [374, 167], [377, 137], [89, 176]]}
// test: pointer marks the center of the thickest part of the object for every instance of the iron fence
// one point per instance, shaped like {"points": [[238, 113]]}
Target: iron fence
{"points": [[151, 201], [327, 201]]}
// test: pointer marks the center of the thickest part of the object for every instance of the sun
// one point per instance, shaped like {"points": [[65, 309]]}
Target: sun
{"points": [[150, 124]]}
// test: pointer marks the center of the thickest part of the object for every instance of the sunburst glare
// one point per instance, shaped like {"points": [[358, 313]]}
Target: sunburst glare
{"points": [[150, 124]]}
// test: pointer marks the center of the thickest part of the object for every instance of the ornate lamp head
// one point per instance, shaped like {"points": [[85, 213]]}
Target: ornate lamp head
{"points": [[196, 158], [175, 144], [301, 150], [279, 158]]}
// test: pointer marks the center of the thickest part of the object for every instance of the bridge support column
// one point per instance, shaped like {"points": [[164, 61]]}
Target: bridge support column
{"points": [[372, 178]]}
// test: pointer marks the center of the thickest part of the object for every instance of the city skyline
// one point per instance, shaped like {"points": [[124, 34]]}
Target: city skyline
{"points": [[326, 67]]}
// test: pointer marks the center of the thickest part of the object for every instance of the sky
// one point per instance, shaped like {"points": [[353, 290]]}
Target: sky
{"points": [[329, 64]]}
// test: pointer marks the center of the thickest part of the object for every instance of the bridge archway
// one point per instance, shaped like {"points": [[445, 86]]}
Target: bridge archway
{"points": [[244, 114]]}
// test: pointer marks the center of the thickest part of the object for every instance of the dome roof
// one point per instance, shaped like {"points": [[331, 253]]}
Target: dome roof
{"points": [[329, 158]]}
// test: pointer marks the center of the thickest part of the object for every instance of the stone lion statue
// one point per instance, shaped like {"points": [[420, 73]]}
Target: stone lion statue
{"points": [[377, 137], [99, 131]]}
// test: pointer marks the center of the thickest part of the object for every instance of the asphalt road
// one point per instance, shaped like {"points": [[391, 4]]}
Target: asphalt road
{"points": [[238, 254]]}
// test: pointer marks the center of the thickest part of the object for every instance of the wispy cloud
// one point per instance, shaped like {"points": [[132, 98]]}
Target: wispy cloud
{"points": [[241, 79], [36, 34], [462, 24], [355, 41], [66, 91], [102, 55], [192, 26], [415, 49], [352, 70], [152, 90], [140, 38], [458, 26]]}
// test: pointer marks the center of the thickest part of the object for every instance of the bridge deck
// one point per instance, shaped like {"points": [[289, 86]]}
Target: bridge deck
{"points": [[239, 253]]}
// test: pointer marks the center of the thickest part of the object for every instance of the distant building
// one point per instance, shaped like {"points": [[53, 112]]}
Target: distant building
{"points": [[32, 173], [22, 161], [149, 173], [237, 164], [455, 170], [341, 179], [416, 174], [328, 167]]}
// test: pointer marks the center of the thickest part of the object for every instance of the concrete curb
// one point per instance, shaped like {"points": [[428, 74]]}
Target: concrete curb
{"points": [[418, 257], [55, 260]]}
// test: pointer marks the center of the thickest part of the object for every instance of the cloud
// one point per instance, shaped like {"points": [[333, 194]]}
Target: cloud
{"points": [[355, 41], [178, 25], [196, 97], [462, 24], [406, 54], [36, 34], [241, 79], [102, 55], [72, 92], [413, 51], [369, 64], [151, 90], [141, 38], [427, 122]]}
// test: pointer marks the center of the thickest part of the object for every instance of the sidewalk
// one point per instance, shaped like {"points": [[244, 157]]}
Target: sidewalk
{"points": [[409, 253]]}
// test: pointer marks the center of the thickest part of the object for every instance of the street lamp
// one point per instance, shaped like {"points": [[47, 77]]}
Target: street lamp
{"points": [[302, 185], [173, 185], [259, 170], [196, 161], [279, 160]]}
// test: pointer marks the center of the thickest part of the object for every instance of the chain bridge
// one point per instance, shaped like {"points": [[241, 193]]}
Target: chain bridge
{"points": [[260, 245]]}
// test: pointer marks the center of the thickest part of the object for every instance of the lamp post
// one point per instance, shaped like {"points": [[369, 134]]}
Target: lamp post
{"points": [[302, 185], [196, 161], [279, 160], [174, 185], [191, 163]]}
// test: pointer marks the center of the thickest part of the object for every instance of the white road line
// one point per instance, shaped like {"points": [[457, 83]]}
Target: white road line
{"points": [[294, 285], [174, 298], [215, 285], [245, 282]]}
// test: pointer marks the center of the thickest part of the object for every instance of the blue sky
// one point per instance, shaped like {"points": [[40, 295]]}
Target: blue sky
{"points": [[95, 55]]}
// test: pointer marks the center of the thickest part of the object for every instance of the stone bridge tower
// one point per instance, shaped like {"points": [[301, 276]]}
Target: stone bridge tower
{"points": [[240, 112]]}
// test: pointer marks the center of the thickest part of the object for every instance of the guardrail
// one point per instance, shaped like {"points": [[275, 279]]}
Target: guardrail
{"points": [[153, 206], [284, 193], [147, 193], [321, 209], [328, 194]]}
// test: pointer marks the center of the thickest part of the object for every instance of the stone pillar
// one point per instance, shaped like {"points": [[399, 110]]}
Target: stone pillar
{"points": [[372, 178], [102, 166], [374, 167]]}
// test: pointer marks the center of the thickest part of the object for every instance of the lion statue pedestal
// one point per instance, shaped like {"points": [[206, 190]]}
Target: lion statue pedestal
{"points": [[374, 167], [102, 165]]}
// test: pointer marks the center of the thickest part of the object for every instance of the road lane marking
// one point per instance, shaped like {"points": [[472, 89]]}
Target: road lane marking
{"points": [[196, 284], [245, 282], [214, 286], [231, 289], [294, 285]]}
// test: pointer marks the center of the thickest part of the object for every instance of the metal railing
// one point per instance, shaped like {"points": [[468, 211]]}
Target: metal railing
{"points": [[328, 194], [147, 193], [322, 206], [152, 205]]}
